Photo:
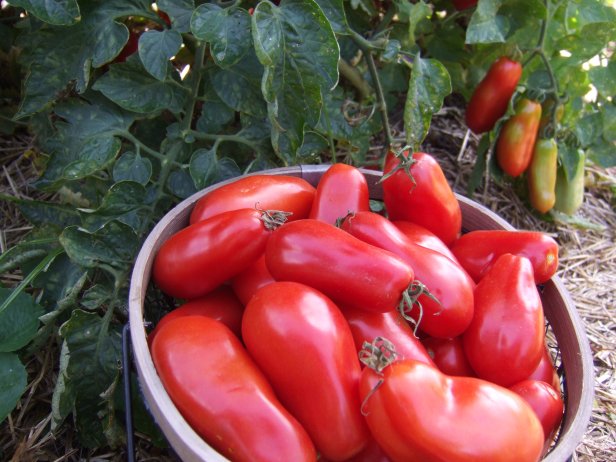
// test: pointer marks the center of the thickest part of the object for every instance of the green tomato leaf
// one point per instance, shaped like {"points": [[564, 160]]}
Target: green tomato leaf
{"points": [[132, 167], [179, 11], [89, 367], [429, 85], [581, 13], [239, 86], [334, 12], [34, 246], [215, 114], [226, 30], [486, 25], [156, 48], [114, 244], [569, 157], [204, 167], [96, 153], [57, 12], [18, 322], [130, 87], [181, 184], [604, 78], [121, 200], [13, 381], [41, 213], [413, 13], [608, 115], [55, 56], [296, 45]]}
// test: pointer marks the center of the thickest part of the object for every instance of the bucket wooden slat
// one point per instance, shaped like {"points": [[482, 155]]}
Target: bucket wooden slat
{"points": [[559, 310]]}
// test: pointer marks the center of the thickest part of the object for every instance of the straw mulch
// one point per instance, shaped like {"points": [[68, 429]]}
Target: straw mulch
{"points": [[587, 267]]}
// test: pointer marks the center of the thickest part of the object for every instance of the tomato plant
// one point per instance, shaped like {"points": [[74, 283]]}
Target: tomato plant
{"points": [[477, 250], [220, 247], [448, 310], [415, 189], [342, 189], [208, 373], [301, 341], [401, 400], [508, 324], [490, 99]]}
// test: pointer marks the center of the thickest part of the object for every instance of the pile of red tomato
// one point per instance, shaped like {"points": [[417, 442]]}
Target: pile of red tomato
{"points": [[311, 327]]}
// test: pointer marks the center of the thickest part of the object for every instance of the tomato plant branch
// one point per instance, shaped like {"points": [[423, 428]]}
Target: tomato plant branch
{"points": [[219, 138], [354, 77]]}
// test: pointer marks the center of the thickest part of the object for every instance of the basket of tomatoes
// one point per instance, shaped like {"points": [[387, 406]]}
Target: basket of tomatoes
{"points": [[334, 313]]}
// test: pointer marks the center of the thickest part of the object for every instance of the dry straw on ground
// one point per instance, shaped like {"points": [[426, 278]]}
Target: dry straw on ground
{"points": [[587, 267]]}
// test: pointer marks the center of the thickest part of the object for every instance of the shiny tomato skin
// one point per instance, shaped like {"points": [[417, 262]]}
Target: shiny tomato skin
{"points": [[516, 140], [302, 343], [223, 395], [346, 269], [264, 192], [421, 414], [546, 372], [429, 201], [202, 256], [445, 279], [505, 340], [220, 304], [448, 355], [491, 97], [251, 279], [366, 325], [341, 190], [546, 402], [421, 236], [477, 250]]}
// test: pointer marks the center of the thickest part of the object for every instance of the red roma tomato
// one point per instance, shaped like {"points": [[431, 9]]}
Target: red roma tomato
{"points": [[341, 190], [366, 325], [477, 250], [428, 201], [131, 46], [464, 4], [346, 269], [265, 192], [304, 346], [514, 148], [251, 279], [490, 99], [448, 355], [202, 256], [421, 236], [444, 278], [547, 404], [420, 414], [505, 340], [223, 395], [372, 453], [546, 372], [220, 304]]}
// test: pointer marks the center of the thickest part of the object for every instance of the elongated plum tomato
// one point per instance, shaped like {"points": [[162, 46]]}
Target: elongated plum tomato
{"points": [[251, 279], [346, 269], [425, 199], [341, 190], [223, 395], [421, 236], [302, 343], [546, 372], [220, 304], [265, 192], [546, 402], [445, 279], [508, 327], [448, 355], [490, 99], [477, 250], [419, 414], [366, 325], [202, 256]]}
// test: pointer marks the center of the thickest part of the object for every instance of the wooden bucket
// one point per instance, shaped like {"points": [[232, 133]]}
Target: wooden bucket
{"points": [[559, 311]]}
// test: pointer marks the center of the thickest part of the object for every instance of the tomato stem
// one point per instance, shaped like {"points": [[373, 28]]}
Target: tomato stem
{"points": [[274, 219], [377, 356], [410, 298]]}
